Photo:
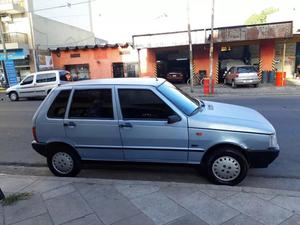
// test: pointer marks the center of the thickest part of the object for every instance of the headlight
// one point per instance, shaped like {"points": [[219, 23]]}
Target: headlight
{"points": [[273, 141]]}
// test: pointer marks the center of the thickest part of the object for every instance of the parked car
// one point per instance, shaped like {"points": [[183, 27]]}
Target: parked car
{"points": [[242, 75], [149, 120], [38, 84], [175, 77]]}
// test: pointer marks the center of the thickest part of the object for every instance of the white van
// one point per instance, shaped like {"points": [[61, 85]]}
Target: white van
{"points": [[38, 84]]}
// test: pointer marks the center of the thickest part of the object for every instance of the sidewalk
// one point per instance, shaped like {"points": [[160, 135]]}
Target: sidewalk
{"points": [[292, 88], [83, 201]]}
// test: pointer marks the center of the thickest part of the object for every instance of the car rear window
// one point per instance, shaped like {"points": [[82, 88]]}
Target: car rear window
{"points": [[92, 104], [58, 107], [246, 69]]}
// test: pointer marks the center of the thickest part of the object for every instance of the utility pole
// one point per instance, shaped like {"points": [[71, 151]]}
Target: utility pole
{"points": [[30, 17], [211, 49], [91, 19], [190, 47], [2, 38]]}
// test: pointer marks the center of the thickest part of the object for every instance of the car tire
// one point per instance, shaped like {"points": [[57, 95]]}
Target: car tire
{"points": [[13, 96], [256, 85], [233, 85], [227, 166], [64, 162]]}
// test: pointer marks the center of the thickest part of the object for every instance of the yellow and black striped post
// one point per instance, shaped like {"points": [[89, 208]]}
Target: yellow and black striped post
{"points": [[155, 70], [217, 74], [260, 69], [274, 64]]}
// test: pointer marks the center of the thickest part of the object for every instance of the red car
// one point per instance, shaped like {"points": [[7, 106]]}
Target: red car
{"points": [[175, 77]]}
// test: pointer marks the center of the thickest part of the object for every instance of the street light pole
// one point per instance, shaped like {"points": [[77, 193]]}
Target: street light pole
{"points": [[190, 48], [4, 50], [211, 49]]}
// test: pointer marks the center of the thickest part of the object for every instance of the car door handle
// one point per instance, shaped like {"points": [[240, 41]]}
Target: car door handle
{"points": [[125, 125], [70, 124]]}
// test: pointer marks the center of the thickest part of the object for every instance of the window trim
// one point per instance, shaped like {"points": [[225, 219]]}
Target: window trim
{"points": [[90, 118], [175, 110], [52, 101]]}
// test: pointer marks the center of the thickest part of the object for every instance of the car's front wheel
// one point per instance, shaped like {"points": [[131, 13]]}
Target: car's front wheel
{"points": [[13, 96], [64, 163], [227, 166]]}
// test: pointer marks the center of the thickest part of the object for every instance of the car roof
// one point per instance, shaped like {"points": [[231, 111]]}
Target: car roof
{"points": [[119, 81]]}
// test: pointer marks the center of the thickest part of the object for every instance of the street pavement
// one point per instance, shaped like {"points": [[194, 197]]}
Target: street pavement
{"points": [[282, 111], [81, 201]]}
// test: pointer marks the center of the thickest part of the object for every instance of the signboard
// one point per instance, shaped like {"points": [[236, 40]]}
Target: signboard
{"points": [[10, 72], [14, 54], [221, 35]]}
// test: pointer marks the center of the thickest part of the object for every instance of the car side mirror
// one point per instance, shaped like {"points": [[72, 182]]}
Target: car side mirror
{"points": [[173, 119]]}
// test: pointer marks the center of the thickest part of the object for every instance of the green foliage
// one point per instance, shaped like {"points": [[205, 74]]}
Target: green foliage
{"points": [[261, 17], [13, 198]]}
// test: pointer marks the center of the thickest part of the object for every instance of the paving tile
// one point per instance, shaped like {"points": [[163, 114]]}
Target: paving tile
{"points": [[242, 220], [91, 219], [42, 186], [290, 203], [25, 209], [58, 192], [263, 211], [1, 215], [135, 190], [10, 184], [266, 197], [294, 220], [177, 192], [43, 219], [109, 204], [219, 195], [189, 219], [67, 207], [208, 209], [136, 220], [159, 208]]}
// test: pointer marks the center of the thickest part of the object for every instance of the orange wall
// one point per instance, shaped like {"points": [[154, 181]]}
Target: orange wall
{"points": [[201, 59], [99, 60], [267, 54], [147, 62]]}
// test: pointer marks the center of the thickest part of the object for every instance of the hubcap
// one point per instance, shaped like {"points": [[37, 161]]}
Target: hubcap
{"points": [[62, 162], [226, 168], [13, 96]]}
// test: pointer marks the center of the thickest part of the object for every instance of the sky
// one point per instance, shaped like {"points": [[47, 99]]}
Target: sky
{"points": [[117, 20]]}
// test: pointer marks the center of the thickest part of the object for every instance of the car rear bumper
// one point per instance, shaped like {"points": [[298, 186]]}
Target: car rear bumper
{"points": [[262, 158], [246, 81], [39, 148]]}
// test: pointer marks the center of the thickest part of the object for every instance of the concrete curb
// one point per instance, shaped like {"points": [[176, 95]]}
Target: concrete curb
{"points": [[263, 191]]}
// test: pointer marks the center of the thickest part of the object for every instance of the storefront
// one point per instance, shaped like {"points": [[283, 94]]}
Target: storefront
{"points": [[97, 61]]}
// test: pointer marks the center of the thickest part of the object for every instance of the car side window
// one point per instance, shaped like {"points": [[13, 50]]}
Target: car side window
{"points": [[27, 80], [92, 104], [59, 105], [46, 77], [143, 105]]}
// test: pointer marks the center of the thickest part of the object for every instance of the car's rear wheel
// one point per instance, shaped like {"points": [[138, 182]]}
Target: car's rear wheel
{"points": [[13, 96], [227, 166], [64, 162]]}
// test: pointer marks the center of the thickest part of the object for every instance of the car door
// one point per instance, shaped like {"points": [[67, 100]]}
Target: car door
{"points": [[145, 131], [27, 88], [45, 82], [91, 124]]}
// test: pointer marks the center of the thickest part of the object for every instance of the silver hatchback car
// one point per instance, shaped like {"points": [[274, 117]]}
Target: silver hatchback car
{"points": [[149, 120]]}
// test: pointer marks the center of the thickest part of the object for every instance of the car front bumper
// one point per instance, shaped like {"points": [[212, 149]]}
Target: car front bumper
{"points": [[261, 158], [39, 148]]}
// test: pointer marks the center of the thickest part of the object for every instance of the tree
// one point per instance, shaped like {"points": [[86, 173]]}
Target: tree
{"points": [[261, 17]]}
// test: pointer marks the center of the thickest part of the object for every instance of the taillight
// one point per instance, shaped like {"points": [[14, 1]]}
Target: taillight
{"points": [[236, 75], [34, 134]]}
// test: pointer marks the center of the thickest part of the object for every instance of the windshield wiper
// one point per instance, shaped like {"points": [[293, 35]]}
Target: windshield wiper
{"points": [[200, 105]]}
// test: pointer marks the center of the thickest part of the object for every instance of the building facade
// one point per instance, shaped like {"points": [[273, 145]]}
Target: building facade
{"points": [[28, 36], [97, 61], [261, 45]]}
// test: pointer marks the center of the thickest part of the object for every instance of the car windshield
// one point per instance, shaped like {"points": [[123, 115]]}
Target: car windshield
{"points": [[246, 69], [180, 99]]}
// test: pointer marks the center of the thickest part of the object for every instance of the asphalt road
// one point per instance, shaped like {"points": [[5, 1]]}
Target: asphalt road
{"points": [[283, 112]]}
